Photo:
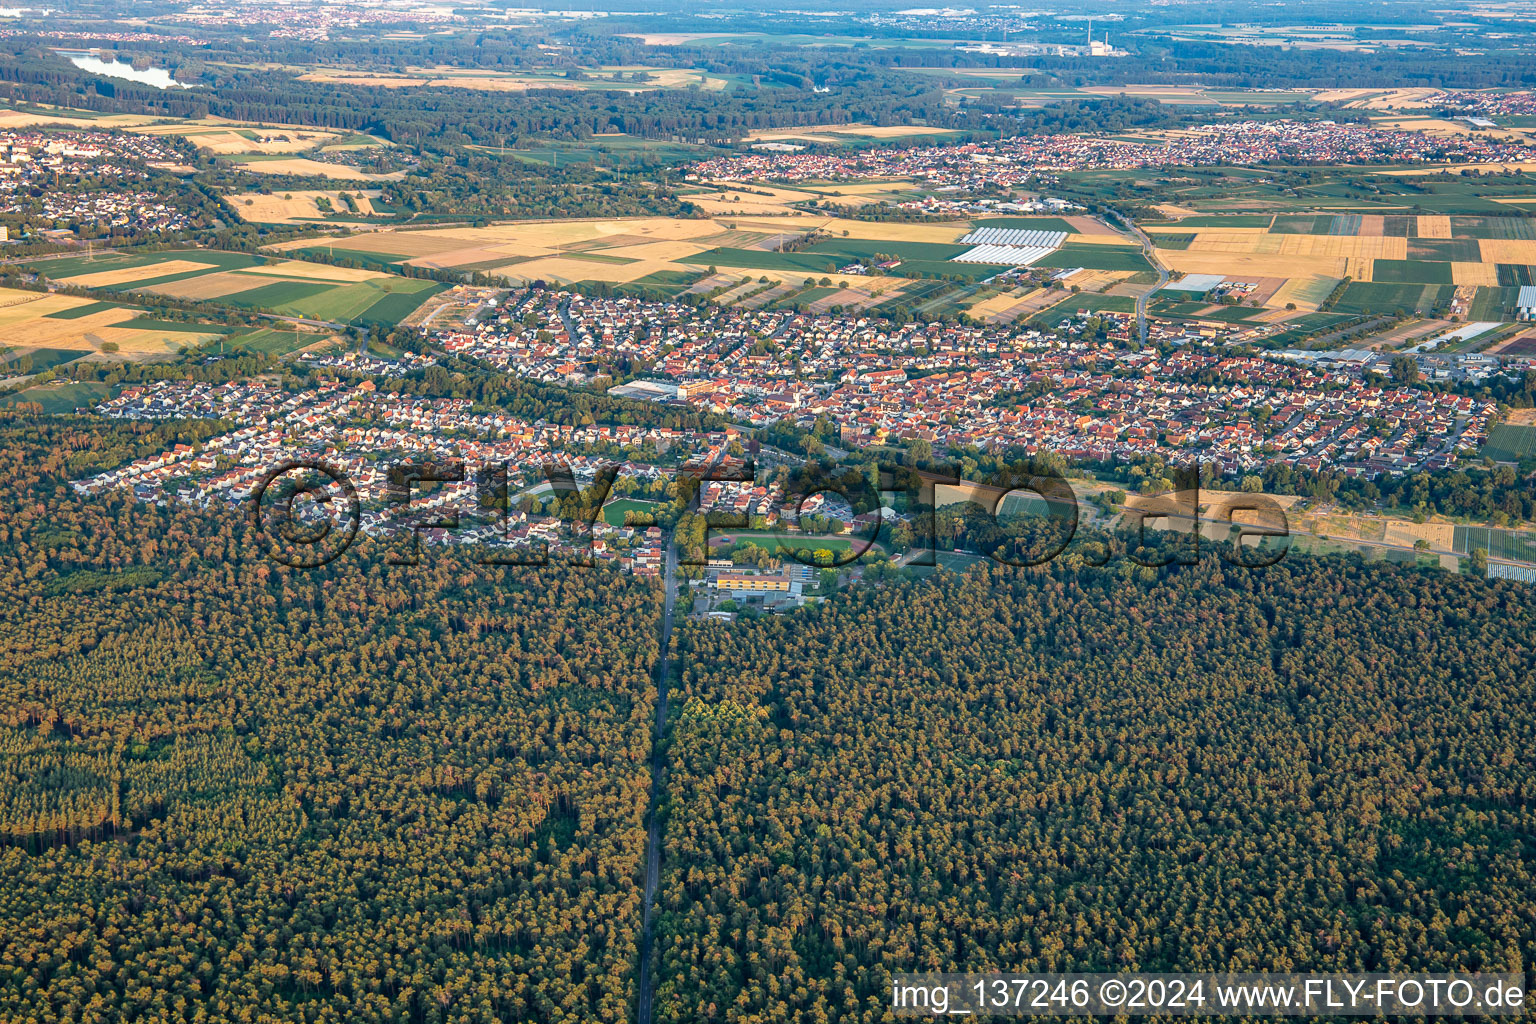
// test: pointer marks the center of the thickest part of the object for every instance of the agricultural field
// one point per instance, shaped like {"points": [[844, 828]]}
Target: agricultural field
{"points": [[1511, 442], [634, 251], [628, 78], [287, 287], [59, 396], [1363, 263], [50, 330], [847, 134], [303, 206]]}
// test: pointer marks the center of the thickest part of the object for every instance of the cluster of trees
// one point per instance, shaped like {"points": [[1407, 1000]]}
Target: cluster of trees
{"points": [[366, 793], [1318, 766]]}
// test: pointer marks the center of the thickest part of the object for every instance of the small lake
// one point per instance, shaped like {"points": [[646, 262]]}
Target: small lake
{"points": [[88, 61]]}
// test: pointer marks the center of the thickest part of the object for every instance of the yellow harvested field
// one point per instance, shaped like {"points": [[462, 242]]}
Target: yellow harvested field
{"points": [[1434, 226], [1414, 172], [458, 78], [1427, 125], [1240, 265], [1090, 226], [815, 132], [1372, 225], [17, 306], [399, 243], [1360, 269], [289, 207], [208, 286], [565, 269], [451, 258], [230, 141], [1507, 250], [127, 275], [305, 168], [1376, 99], [311, 272], [997, 304], [893, 231], [80, 334], [1306, 290], [27, 119], [1475, 274], [1521, 418], [1440, 535], [1257, 240]]}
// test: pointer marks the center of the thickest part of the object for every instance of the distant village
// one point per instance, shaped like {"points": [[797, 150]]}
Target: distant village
{"points": [[1020, 160], [41, 174]]}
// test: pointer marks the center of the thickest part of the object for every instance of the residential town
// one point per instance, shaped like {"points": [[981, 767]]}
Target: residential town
{"points": [[990, 387], [1021, 160], [46, 178]]}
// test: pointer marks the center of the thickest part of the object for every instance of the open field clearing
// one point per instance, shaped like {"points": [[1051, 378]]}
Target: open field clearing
{"points": [[236, 140], [1248, 266], [1434, 226], [1248, 240], [1477, 274], [627, 78], [1441, 536], [1507, 250], [287, 287], [635, 251], [10, 118], [305, 168], [128, 275], [54, 329], [1376, 99], [293, 207], [834, 133], [1488, 168]]}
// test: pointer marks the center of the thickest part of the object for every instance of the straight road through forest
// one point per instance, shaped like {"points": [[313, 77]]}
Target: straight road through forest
{"points": [[653, 837]]}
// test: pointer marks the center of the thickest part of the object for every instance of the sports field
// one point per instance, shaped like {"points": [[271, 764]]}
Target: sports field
{"points": [[287, 287]]}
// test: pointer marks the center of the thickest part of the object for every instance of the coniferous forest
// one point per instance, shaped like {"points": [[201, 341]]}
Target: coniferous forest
{"points": [[238, 792]]}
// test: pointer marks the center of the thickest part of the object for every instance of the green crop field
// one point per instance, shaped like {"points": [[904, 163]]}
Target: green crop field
{"points": [[1508, 442], [1233, 220], [267, 341], [1411, 272], [850, 249], [60, 398], [1381, 297], [1507, 544], [1096, 257], [86, 310], [372, 260], [381, 300], [1026, 223], [1445, 250], [40, 358], [1493, 227]]}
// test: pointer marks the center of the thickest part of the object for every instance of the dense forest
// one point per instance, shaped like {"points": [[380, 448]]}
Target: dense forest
{"points": [[1318, 766], [233, 792]]}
